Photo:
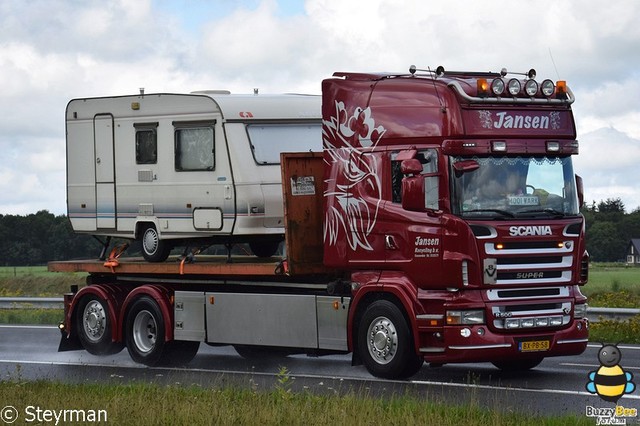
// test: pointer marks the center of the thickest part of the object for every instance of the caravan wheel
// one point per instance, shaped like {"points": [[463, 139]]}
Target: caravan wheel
{"points": [[153, 248]]}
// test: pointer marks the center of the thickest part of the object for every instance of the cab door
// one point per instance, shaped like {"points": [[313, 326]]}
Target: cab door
{"points": [[413, 239]]}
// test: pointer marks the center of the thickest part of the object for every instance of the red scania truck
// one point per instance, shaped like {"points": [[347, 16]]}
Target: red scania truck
{"points": [[440, 223]]}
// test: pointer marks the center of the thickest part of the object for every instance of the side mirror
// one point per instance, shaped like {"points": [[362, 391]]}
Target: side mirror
{"points": [[413, 193], [580, 188], [411, 167], [465, 166]]}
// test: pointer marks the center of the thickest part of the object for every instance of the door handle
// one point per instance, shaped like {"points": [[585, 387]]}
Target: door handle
{"points": [[390, 242]]}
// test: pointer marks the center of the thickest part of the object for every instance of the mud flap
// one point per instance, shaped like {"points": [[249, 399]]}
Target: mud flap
{"points": [[69, 342]]}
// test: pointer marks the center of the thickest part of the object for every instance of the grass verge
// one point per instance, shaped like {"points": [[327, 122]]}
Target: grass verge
{"points": [[152, 404]]}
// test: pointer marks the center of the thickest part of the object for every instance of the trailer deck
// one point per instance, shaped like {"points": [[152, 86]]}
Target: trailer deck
{"points": [[204, 265]]}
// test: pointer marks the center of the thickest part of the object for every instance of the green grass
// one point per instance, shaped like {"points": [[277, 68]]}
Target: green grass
{"points": [[604, 278], [37, 282], [152, 404], [31, 316]]}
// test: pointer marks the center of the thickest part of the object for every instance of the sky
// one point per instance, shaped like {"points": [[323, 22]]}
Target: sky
{"points": [[52, 51]]}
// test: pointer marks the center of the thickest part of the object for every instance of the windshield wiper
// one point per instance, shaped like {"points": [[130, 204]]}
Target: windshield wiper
{"points": [[549, 211], [500, 212]]}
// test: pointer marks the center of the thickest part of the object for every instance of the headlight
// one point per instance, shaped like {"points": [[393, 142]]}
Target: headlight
{"points": [[465, 317], [580, 310]]}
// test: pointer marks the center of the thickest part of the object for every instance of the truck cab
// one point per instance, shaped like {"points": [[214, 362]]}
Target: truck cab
{"points": [[456, 200]]}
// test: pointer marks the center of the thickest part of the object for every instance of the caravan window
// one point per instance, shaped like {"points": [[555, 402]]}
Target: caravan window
{"points": [[146, 143], [269, 140], [194, 146]]}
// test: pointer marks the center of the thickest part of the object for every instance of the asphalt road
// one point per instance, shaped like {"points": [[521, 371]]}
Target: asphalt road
{"points": [[557, 386]]}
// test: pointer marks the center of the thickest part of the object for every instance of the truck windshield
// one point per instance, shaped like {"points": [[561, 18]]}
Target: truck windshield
{"points": [[510, 187]]}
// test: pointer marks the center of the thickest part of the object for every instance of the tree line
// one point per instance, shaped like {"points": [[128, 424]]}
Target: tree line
{"points": [[38, 238]]}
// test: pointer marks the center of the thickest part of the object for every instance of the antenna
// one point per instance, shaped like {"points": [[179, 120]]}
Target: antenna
{"points": [[554, 64]]}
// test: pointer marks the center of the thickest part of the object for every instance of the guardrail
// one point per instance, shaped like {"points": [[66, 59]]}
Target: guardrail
{"points": [[594, 314], [31, 303]]}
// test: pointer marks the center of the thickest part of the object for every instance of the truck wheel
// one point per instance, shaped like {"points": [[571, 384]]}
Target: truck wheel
{"points": [[518, 365], [264, 248], [385, 344], [145, 332], [153, 248], [145, 337], [94, 326]]}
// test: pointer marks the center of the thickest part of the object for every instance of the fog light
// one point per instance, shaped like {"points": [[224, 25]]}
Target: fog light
{"points": [[542, 322], [555, 321], [527, 323], [512, 323]]}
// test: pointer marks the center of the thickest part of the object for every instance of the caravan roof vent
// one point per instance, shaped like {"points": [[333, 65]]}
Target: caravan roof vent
{"points": [[211, 92]]}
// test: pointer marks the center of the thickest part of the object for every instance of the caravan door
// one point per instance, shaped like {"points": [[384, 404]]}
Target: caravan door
{"points": [[105, 173]]}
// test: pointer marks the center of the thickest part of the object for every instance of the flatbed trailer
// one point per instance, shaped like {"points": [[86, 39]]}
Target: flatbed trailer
{"points": [[439, 224]]}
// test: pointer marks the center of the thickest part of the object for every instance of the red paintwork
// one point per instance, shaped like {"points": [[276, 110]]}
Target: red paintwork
{"points": [[112, 294], [413, 257]]}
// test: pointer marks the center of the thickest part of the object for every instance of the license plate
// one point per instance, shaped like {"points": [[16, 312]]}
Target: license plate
{"points": [[534, 346]]}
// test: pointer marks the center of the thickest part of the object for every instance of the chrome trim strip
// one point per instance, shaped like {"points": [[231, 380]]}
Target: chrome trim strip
{"points": [[429, 316], [431, 350], [561, 342], [503, 345]]}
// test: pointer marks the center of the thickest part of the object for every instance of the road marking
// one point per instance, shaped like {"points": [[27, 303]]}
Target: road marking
{"points": [[633, 348], [596, 366], [28, 326], [488, 387]]}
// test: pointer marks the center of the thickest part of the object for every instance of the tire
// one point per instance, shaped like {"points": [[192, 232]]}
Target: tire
{"points": [[385, 343], [94, 326], [518, 365], [145, 337], [264, 248], [153, 248]]}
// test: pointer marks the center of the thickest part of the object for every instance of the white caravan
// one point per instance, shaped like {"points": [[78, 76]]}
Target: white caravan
{"points": [[167, 168]]}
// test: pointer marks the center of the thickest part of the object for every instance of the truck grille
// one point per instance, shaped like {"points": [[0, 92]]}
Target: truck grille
{"points": [[538, 262], [512, 312]]}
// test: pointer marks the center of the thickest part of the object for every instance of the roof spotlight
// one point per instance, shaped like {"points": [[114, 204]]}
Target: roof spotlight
{"points": [[531, 88], [514, 86]]}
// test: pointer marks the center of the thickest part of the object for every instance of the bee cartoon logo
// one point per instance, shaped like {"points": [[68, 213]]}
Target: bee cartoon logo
{"points": [[610, 381]]}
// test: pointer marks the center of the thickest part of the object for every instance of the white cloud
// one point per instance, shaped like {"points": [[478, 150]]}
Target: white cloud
{"points": [[52, 51]]}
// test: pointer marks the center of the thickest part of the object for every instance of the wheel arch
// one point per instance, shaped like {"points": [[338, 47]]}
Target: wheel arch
{"points": [[112, 295], [142, 223], [162, 295], [397, 292]]}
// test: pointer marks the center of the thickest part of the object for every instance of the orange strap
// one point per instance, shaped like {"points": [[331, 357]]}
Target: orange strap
{"points": [[112, 262]]}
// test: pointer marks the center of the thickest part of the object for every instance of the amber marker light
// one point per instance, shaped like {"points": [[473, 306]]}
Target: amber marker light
{"points": [[483, 87], [561, 89], [499, 246]]}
